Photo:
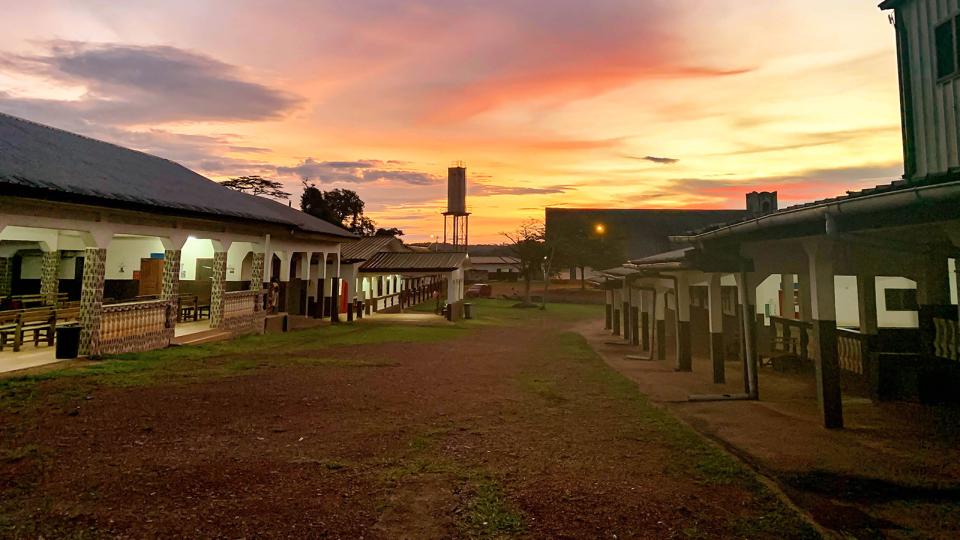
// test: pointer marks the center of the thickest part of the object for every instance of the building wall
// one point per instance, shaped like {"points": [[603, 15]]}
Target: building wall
{"points": [[124, 254], [931, 106]]}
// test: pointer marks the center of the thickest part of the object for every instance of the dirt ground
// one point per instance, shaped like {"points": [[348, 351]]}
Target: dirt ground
{"points": [[506, 426]]}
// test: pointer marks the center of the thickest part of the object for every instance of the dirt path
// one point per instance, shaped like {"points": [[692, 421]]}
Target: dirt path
{"points": [[501, 431]]}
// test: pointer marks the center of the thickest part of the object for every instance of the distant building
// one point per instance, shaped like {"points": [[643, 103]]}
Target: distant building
{"points": [[494, 268]]}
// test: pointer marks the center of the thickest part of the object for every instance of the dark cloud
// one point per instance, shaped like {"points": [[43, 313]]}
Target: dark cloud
{"points": [[128, 84], [657, 160], [802, 186], [360, 171]]}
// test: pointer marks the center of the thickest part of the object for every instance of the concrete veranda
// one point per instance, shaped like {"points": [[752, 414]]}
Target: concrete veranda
{"points": [[893, 467]]}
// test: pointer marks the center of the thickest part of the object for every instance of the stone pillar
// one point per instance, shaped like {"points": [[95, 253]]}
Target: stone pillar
{"points": [[50, 277], [218, 288], [823, 305], [256, 272], [715, 305], [806, 314], [660, 327], [170, 289], [91, 300], [6, 276], [684, 352]]}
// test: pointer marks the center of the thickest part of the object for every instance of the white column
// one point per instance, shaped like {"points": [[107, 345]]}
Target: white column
{"points": [[684, 352], [715, 306], [820, 254], [788, 308]]}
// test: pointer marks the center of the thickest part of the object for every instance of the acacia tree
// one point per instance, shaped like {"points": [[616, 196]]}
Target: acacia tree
{"points": [[341, 207], [527, 243], [257, 185]]}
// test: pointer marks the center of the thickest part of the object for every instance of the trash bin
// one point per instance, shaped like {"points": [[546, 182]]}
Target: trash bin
{"points": [[68, 341], [467, 310]]}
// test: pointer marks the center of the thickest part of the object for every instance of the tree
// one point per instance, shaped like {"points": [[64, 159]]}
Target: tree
{"points": [[528, 245], [580, 245], [257, 185], [392, 231], [342, 207]]}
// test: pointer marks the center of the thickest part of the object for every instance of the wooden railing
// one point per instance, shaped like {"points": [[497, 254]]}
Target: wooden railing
{"points": [[852, 348], [791, 336], [134, 327], [946, 339]]}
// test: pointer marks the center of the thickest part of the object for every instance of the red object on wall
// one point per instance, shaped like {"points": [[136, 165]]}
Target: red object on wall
{"points": [[343, 296]]}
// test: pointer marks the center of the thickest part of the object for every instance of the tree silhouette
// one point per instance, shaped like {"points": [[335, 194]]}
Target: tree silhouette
{"points": [[256, 185]]}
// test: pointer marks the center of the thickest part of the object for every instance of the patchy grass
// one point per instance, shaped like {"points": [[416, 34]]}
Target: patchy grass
{"points": [[488, 513], [692, 455]]}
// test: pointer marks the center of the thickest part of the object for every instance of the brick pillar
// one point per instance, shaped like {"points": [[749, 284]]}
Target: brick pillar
{"points": [[6, 276], [170, 289], [50, 277], [717, 350], [216, 292], [91, 300]]}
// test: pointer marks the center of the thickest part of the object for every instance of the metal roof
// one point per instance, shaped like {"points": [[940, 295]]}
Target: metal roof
{"points": [[364, 248], [42, 160], [495, 260], [416, 262]]}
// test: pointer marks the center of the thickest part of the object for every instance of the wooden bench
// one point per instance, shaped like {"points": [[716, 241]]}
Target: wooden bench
{"points": [[8, 328], [40, 324], [186, 307]]}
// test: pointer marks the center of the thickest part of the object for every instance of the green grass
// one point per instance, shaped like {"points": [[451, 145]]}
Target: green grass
{"points": [[488, 513], [250, 353]]}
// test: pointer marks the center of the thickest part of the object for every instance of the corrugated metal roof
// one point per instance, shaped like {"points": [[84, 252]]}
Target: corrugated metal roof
{"points": [[512, 261], [49, 159], [369, 246], [416, 262]]}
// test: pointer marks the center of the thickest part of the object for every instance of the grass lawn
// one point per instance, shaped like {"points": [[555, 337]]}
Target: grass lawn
{"points": [[507, 425]]}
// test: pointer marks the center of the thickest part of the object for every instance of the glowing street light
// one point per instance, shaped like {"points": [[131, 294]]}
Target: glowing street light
{"points": [[600, 228]]}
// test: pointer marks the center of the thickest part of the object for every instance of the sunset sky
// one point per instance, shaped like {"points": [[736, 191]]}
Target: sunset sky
{"points": [[606, 103]]}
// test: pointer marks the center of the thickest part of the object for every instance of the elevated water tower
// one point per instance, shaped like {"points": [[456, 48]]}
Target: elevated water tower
{"points": [[457, 207]]}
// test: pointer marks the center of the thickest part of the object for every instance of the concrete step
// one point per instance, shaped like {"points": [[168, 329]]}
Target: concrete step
{"points": [[208, 336]]}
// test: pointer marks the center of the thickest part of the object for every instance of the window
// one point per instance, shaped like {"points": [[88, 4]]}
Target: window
{"points": [[946, 50], [901, 299]]}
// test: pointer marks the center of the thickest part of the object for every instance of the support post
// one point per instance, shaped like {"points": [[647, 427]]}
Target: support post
{"points": [[170, 287], [788, 304], [334, 300], [616, 313], [218, 288], [870, 354], [50, 276], [747, 292], [608, 310], [91, 300], [660, 312], [715, 305], [820, 254], [684, 351], [6, 276]]}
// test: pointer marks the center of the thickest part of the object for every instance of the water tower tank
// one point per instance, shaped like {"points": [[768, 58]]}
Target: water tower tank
{"points": [[457, 189]]}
